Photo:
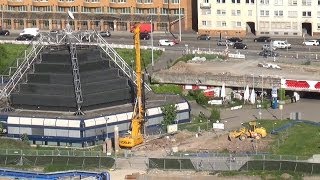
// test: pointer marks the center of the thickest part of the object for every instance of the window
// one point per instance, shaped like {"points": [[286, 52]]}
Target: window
{"points": [[235, 12], [278, 2], [236, 24], [221, 1], [164, 11], [165, 1], [318, 14], [112, 10], [266, 2], [205, 1], [122, 1], [204, 23], [113, 1], [150, 11], [318, 26], [250, 1], [318, 2], [138, 11], [69, 0], [60, 9], [175, 1], [292, 2], [306, 2], [73, 9], [264, 13], [148, 1], [85, 10], [306, 14], [97, 10], [221, 24], [249, 12], [205, 11], [221, 12], [278, 13], [95, 1], [292, 14], [235, 1]]}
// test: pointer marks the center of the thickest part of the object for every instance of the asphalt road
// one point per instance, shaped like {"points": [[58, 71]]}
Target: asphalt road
{"points": [[190, 40]]}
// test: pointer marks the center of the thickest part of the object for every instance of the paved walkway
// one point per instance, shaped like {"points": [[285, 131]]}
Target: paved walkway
{"points": [[164, 61]]}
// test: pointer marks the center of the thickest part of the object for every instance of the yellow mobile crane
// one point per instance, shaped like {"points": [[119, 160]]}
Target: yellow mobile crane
{"points": [[136, 138]]}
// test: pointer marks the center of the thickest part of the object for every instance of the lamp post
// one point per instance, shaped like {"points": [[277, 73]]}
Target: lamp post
{"points": [[273, 126], [151, 34], [179, 21], [2, 9]]}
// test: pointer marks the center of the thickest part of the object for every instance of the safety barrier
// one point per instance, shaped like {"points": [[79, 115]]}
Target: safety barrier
{"points": [[55, 175]]}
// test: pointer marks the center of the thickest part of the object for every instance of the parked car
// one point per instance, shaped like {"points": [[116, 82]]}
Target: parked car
{"points": [[268, 53], [268, 47], [224, 43], [262, 39], [240, 45], [235, 39], [145, 36], [166, 42], [4, 32], [55, 31], [30, 31], [25, 37], [105, 33], [204, 37], [311, 43]]}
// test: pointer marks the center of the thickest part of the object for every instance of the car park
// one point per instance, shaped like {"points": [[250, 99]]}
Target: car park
{"points": [[235, 39], [311, 43], [224, 43], [204, 37], [262, 39], [268, 53], [25, 37], [144, 36], [4, 32], [240, 45], [105, 33], [166, 42]]}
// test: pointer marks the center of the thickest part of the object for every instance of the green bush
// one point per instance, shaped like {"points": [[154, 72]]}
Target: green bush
{"points": [[199, 96], [129, 56], [215, 114], [282, 94]]}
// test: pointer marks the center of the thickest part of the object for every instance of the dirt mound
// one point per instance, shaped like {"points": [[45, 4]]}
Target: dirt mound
{"points": [[206, 141]]}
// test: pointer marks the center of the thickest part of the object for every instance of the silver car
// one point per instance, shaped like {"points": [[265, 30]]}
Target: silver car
{"points": [[225, 43]]}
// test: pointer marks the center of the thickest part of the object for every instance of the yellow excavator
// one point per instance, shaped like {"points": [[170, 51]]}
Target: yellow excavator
{"points": [[252, 132], [135, 137]]}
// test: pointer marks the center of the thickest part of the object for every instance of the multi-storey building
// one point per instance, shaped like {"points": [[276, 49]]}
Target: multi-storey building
{"points": [[260, 17], [95, 14]]}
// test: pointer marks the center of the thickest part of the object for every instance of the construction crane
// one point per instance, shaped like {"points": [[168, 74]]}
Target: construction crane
{"points": [[135, 137]]}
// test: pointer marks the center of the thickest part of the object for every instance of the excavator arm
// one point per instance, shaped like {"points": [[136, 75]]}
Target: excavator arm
{"points": [[136, 138]]}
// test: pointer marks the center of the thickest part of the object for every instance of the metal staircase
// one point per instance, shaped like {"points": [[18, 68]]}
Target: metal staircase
{"points": [[77, 39]]}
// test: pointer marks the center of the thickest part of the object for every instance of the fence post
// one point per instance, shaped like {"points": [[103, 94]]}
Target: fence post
{"points": [[311, 169], [164, 164], [280, 166]]}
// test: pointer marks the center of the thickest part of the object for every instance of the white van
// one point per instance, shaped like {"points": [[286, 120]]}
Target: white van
{"points": [[31, 31], [281, 44]]}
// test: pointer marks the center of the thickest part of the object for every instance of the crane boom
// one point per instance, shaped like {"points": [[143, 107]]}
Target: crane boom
{"points": [[136, 138]]}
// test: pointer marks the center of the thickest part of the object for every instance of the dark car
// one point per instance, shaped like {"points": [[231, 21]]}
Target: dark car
{"points": [[224, 43], [105, 33], [25, 37], [235, 39], [204, 37], [268, 53], [262, 39], [240, 45], [145, 36], [4, 33]]}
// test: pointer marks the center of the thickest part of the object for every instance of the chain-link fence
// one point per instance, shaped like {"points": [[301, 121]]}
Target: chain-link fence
{"points": [[227, 162], [56, 152], [75, 159]]}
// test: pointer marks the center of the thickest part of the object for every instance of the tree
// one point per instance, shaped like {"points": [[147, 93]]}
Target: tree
{"points": [[169, 114]]}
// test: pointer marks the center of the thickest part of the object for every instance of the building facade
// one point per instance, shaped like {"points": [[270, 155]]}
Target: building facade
{"points": [[118, 15], [260, 17]]}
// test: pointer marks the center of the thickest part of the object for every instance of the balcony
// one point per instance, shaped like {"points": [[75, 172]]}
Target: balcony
{"points": [[144, 5], [119, 5], [65, 4], [40, 3], [15, 3], [205, 6], [91, 5]]}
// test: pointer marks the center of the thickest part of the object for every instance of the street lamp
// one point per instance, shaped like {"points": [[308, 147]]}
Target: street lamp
{"points": [[273, 126], [151, 34]]}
